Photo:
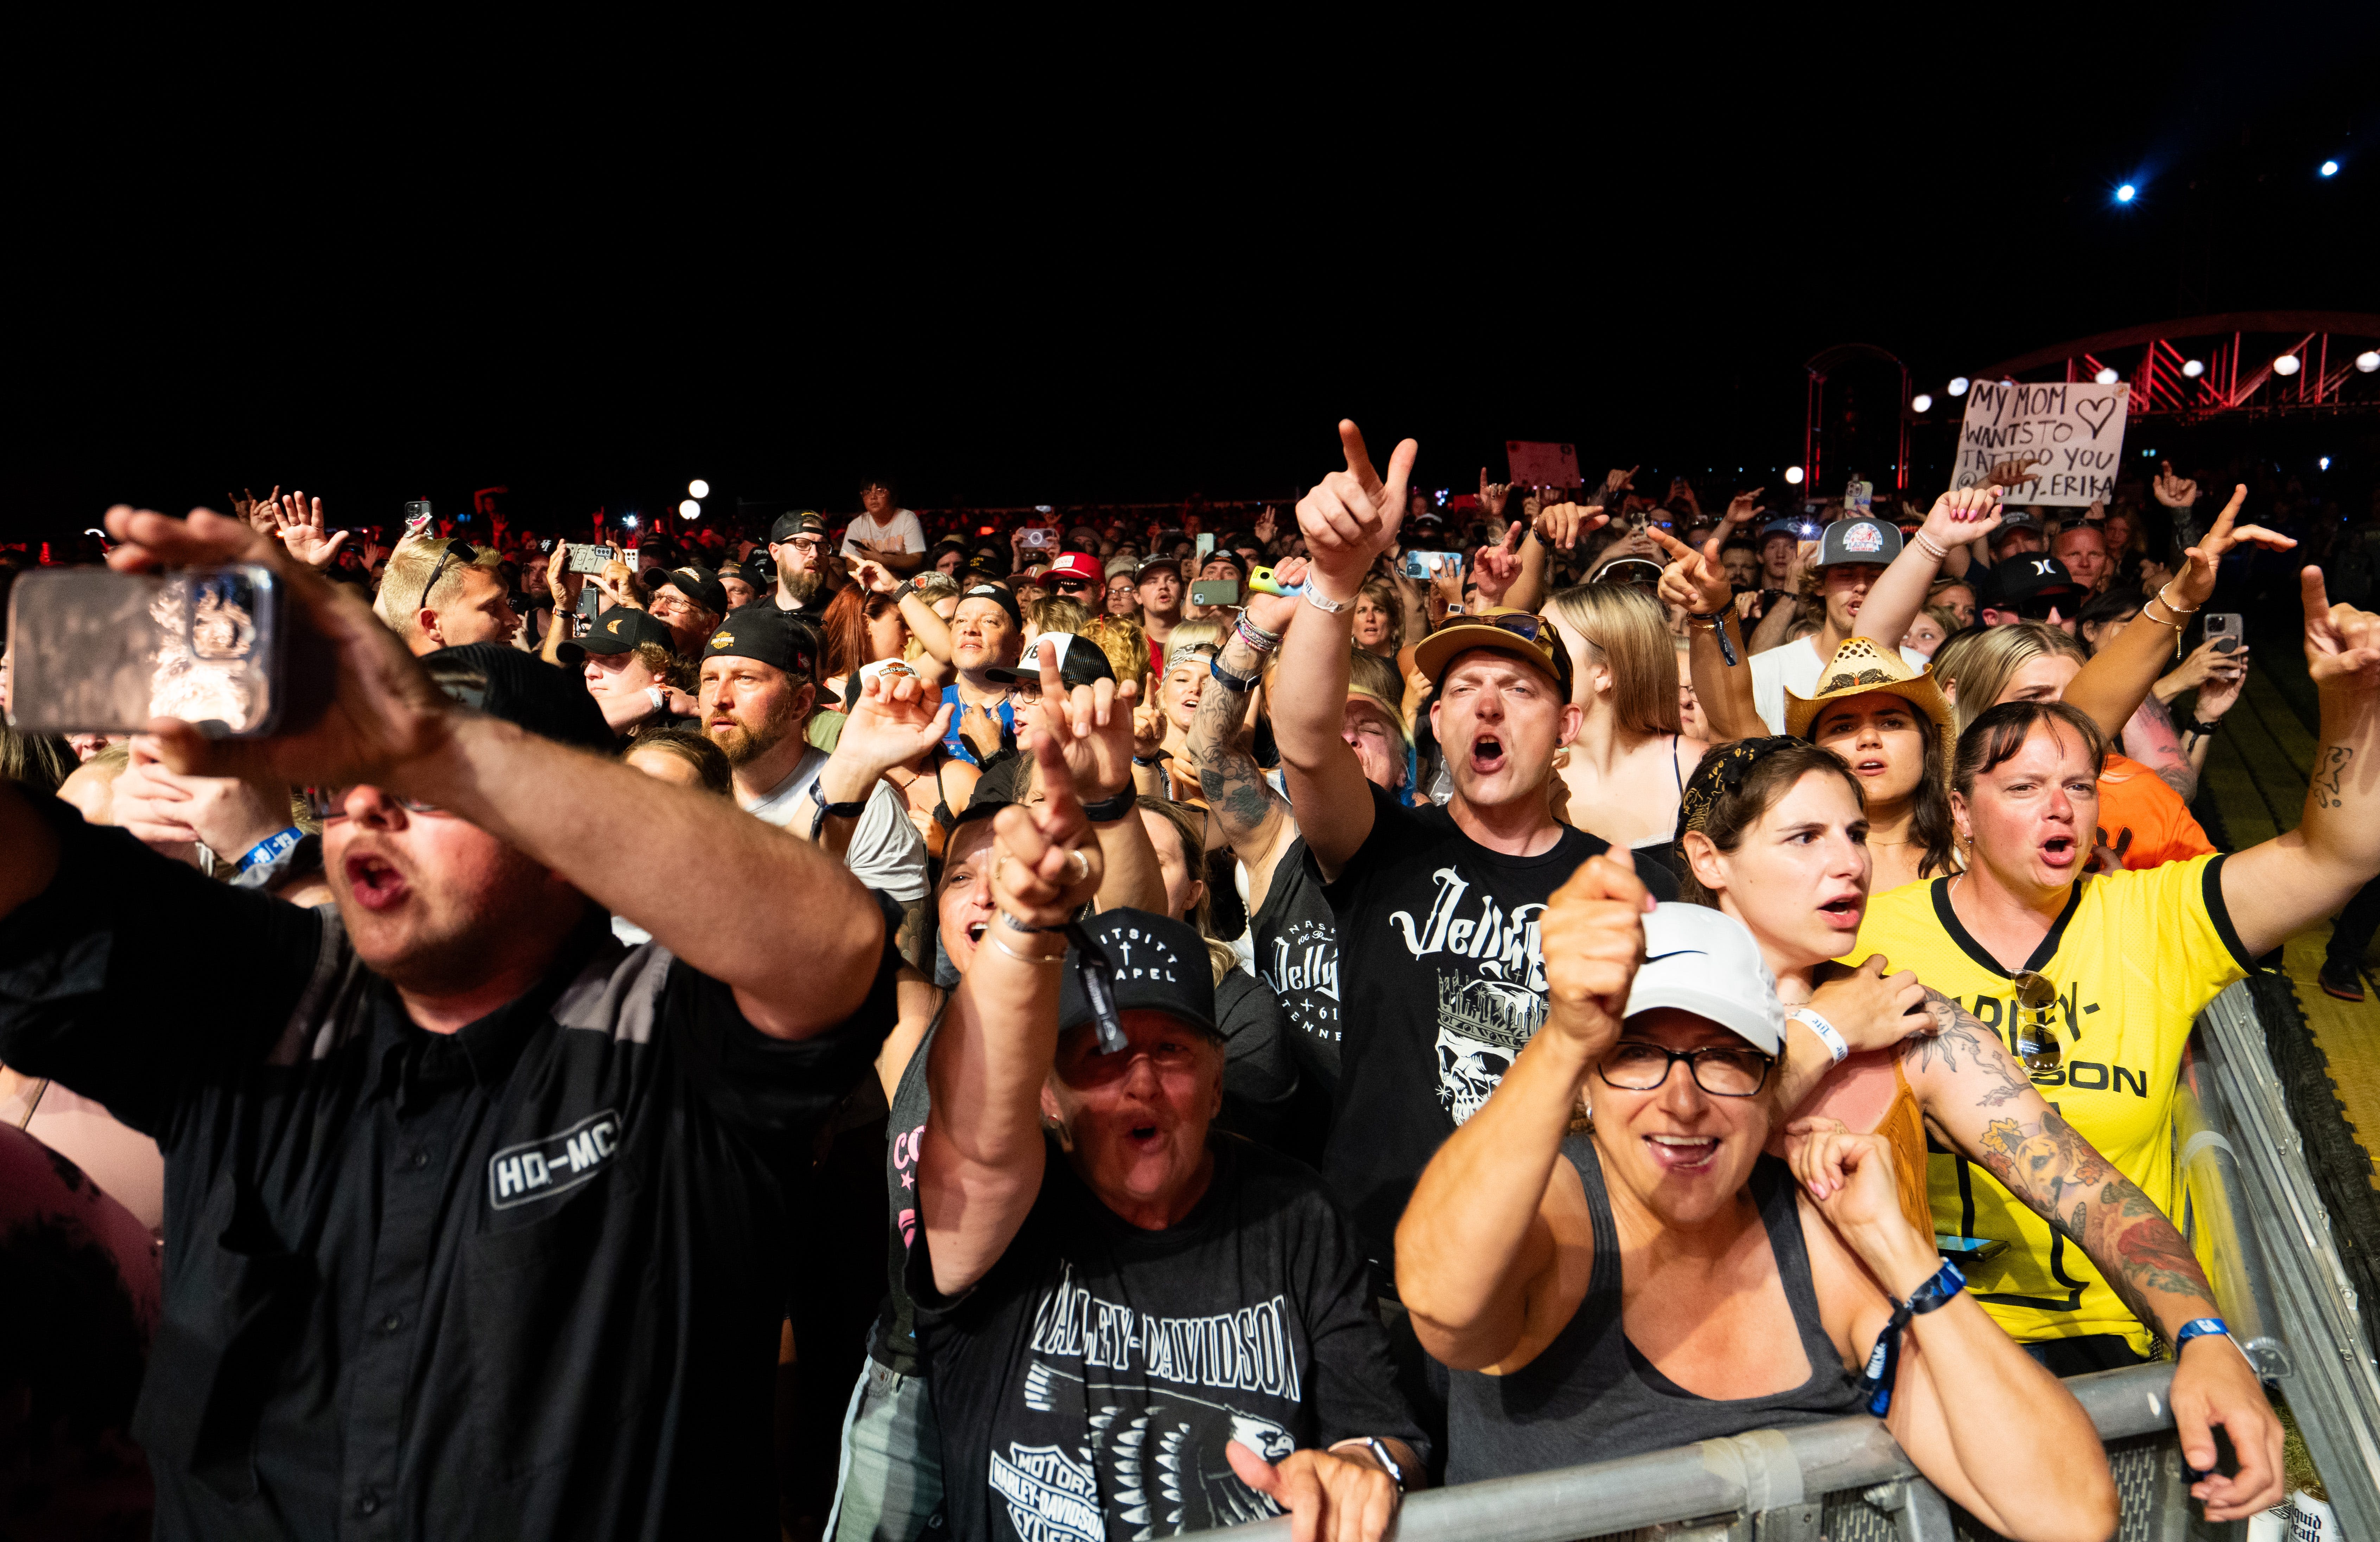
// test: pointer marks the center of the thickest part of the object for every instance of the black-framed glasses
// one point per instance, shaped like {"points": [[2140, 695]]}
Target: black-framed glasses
{"points": [[331, 802], [463, 549], [1721, 1070], [2036, 1025]]}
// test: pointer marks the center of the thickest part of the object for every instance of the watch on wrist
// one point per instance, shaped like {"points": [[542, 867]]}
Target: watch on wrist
{"points": [[1380, 1453], [831, 810], [1106, 810]]}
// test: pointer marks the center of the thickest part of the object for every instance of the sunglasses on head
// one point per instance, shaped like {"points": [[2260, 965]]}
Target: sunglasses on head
{"points": [[1537, 628], [1068, 586], [455, 549]]}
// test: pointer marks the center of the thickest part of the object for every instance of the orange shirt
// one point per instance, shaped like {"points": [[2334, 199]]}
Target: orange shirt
{"points": [[2142, 818]]}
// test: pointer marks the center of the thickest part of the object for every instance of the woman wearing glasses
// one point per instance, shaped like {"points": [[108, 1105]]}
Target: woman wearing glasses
{"points": [[1647, 1277]]}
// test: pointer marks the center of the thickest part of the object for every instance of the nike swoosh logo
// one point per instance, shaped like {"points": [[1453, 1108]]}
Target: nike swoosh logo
{"points": [[1673, 952]]}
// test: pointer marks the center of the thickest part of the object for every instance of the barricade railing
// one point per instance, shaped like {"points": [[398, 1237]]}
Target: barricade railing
{"points": [[2277, 1276]]}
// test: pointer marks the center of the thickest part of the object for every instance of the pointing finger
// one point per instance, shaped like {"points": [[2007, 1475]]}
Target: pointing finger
{"points": [[1359, 459]]}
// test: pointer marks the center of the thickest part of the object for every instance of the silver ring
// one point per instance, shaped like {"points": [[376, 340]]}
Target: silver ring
{"points": [[1082, 864]]}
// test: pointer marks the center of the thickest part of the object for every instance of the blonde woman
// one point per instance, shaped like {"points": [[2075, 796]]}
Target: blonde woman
{"points": [[1623, 776], [1162, 728]]}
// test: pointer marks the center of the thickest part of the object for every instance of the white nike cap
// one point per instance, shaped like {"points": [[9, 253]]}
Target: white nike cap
{"points": [[1705, 961]]}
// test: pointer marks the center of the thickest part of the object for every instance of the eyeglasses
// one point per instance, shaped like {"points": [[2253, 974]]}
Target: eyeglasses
{"points": [[1635, 1065], [331, 802], [455, 549], [2036, 1027], [672, 604]]}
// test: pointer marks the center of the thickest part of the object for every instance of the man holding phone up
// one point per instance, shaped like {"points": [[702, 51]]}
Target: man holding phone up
{"points": [[479, 1218]]}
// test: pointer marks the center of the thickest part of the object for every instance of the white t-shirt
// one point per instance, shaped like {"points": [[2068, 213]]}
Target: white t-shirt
{"points": [[1796, 667], [901, 526], [887, 854]]}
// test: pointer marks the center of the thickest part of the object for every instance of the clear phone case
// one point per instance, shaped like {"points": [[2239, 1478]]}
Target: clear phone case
{"points": [[92, 650]]}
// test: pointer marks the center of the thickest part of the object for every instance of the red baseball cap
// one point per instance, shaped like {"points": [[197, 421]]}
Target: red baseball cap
{"points": [[1077, 565]]}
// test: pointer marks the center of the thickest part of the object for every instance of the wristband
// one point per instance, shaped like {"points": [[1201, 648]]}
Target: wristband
{"points": [[832, 811], [659, 698], [1106, 810], [1257, 638], [1932, 549], [1153, 761], [1242, 683], [1314, 598], [1716, 622], [2203, 729], [2200, 1328], [1931, 1297], [271, 846], [1826, 1032], [1024, 958]]}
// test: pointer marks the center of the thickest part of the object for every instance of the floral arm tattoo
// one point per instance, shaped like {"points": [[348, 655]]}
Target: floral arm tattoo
{"points": [[2047, 1164], [1233, 783]]}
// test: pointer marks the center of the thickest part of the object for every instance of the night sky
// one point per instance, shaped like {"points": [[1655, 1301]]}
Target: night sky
{"points": [[1093, 286]]}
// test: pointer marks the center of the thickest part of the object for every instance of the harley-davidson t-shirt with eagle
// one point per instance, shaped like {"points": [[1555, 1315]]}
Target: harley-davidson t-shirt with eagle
{"points": [[1087, 1386]]}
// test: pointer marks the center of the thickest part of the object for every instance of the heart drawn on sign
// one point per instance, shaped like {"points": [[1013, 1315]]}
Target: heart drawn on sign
{"points": [[2096, 413]]}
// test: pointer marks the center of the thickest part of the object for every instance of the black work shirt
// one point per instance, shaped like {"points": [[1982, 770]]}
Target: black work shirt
{"points": [[525, 1279]]}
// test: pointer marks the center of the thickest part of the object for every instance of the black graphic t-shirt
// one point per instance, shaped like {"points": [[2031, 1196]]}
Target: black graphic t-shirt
{"points": [[1445, 981], [1298, 953], [1099, 1370], [896, 1330]]}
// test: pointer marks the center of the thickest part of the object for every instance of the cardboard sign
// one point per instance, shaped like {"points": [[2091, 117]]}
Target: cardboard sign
{"points": [[1542, 465], [2073, 432]]}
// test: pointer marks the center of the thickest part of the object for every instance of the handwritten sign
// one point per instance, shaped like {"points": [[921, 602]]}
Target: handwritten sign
{"points": [[1541, 465], [2073, 434]]}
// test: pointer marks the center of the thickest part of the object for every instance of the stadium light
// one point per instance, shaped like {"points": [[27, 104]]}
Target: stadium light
{"points": [[2286, 365], [2323, 463], [690, 509], [2126, 193], [2193, 367], [2368, 361], [1958, 387], [2330, 168], [1793, 475], [1920, 403], [697, 489], [630, 521], [2106, 377]]}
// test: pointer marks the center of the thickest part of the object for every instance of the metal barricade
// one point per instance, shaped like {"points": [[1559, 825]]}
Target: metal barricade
{"points": [[2276, 1277]]}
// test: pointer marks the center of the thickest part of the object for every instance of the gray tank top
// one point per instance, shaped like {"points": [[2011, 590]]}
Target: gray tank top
{"points": [[1591, 1397]]}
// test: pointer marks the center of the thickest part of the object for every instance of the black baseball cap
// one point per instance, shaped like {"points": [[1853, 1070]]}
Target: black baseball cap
{"points": [[797, 522], [1160, 965], [2016, 581], [521, 688], [1080, 662], [695, 582], [1865, 542], [769, 635], [619, 629], [1225, 554], [1157, 559], [998, 596]]}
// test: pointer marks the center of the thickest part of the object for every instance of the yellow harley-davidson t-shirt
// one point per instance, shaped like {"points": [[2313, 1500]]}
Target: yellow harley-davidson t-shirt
{"points": [[2135, 956]]}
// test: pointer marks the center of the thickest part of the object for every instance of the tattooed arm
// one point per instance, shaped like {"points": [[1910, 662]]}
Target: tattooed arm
{"points": [[1251, 818], [2277, 889], [1977, 1100], [2151, 739]]}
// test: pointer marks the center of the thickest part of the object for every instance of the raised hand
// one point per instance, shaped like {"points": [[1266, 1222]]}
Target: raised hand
{"points": [[1092, 725], [300, 527], [1962, 514], [1694, 579], [1742, 509], [1268, 525], [374, 718], [1562, 524], [893, 720], [255, 512], [1350, 516], [1492, 495], [1498, 568], [2341, 642], [2196, 580], [1593, 933], [876, 576], [1616, 481], [2015, 473], [2173, 490], [1046, 862]]}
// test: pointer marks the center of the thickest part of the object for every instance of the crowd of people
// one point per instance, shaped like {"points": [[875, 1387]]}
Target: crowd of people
{"points": [[882, 1026]]}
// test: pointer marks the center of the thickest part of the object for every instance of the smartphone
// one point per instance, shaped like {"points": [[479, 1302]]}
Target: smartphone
{"points": [[1037, 539], [1215, 591], [97, 652], [1968, 1250], [2223, 629], [1426, 565], [417, 509], [1205, 546], [592, 559], [591, 601]]}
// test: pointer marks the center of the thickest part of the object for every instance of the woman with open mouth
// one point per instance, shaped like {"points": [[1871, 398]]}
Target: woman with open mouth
{"points": [[1892, 725], [1774, 834], [1649, 1277]]}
